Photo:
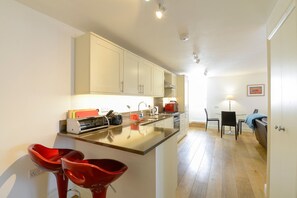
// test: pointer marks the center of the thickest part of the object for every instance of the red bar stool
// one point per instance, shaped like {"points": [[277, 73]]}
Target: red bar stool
{"points": [[95, 174], [50, 160]]}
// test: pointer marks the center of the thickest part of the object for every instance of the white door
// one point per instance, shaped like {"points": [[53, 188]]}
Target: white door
{"points": [[283, 128]]}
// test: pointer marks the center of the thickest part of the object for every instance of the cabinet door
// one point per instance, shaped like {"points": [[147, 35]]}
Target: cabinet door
{"points": [[131, 62], [182, 93], [158, 81], [283, 130], [170, 84], [106, 66], [145, 78]]}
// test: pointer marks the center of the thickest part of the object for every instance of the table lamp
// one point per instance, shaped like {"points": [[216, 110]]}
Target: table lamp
{"points": [[230, 98]]}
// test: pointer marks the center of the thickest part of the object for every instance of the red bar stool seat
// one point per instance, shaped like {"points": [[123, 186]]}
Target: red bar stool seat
{"points": [[95, 174], [50, 160]]}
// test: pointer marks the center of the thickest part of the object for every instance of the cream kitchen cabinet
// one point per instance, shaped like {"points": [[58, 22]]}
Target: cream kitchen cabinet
{"points": [[182, 94], [158, 81], [145, 76], [102, 67], [184, 126], [166, 123], [137, 75], [169, 84], [98, 66], [182, 97], [131, 62]]}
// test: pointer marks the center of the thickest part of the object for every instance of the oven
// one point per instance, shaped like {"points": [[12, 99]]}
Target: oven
{"points": [[176, 120]]}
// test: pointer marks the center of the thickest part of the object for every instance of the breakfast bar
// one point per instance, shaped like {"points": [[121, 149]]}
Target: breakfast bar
{"points": [[149, 151]]}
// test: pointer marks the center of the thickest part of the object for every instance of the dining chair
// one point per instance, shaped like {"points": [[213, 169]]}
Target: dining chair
{"points": [[240, 121], [229, 119], [210, 120]]}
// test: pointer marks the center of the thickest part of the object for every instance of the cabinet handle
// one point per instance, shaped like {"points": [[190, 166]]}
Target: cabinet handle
{"points": [[280, 128], [142, 89]]}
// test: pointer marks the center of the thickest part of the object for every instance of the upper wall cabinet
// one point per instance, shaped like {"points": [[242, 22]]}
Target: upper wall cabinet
{"points": [[98, 66], [145, 77], [169, 84], [103, 67], [158, 81], [131, 62], [137, 75]]}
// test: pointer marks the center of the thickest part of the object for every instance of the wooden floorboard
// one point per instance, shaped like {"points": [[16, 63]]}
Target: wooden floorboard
{"points": [[213, 167]]}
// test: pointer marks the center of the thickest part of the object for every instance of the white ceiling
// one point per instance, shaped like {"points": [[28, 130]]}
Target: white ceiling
{"points": [[229, 36]]}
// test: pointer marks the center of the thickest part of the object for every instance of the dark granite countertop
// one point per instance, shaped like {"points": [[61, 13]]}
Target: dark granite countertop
{"points": [[134, 137]]}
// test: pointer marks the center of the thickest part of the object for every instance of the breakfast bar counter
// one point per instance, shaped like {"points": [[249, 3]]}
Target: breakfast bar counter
{"points": [[149, 149], [135, 138]]}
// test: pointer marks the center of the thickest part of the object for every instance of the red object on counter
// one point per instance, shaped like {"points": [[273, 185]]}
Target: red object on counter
{"points": [[134, 116], [171, 107], [86, 113]]}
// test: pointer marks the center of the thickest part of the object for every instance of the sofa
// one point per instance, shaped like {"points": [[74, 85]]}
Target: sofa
{"points": [[261, 131]]}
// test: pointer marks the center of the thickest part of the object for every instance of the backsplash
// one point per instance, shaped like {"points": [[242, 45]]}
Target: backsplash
{"points": [[106, 102]]}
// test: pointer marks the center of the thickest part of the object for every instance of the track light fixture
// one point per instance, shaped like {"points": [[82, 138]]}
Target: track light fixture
{"points": [[196, 59], [160, 11], [205, 72]]}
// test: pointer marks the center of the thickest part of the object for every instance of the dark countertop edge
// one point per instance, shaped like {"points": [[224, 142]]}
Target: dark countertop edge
{"points": [[73, 136]]}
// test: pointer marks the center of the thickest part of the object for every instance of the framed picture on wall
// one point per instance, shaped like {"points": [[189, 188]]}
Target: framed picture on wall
{"points": [[256, 90]]}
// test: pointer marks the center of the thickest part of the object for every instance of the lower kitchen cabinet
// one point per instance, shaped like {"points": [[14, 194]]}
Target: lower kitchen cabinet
{"points": [[167, 123], [184, 126]]}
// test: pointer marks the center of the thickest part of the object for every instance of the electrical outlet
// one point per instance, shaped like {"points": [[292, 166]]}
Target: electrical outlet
{"points": [[34, 172]]}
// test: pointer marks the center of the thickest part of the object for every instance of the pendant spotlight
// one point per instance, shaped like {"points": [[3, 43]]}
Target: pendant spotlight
{"points": [[195, 58], [160, 11]]}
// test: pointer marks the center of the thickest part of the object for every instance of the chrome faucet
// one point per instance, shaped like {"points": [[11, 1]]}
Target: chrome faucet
{"points": [[141, 113]]}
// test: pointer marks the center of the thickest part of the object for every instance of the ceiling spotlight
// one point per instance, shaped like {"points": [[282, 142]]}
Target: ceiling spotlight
{"points": [[195, 55], [205, 72], [184, 37], [160, 11], [196, 59], [147, 0]]}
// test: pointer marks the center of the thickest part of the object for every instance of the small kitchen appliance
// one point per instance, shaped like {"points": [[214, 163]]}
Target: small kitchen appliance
{"points": [[78, 126], [154, 111], [171, 107]]}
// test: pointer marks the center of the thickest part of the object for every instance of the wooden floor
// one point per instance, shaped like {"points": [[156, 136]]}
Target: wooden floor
{"points": [[211, 167]]}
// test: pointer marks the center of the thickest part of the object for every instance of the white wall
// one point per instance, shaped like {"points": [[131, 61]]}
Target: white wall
{"points": [[219, 87], [197, 97], [36, 60], [210, 92], [108, 102]]}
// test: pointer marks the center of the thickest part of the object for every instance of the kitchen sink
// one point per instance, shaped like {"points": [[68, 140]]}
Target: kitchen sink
{"points": [[151, 119]]}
